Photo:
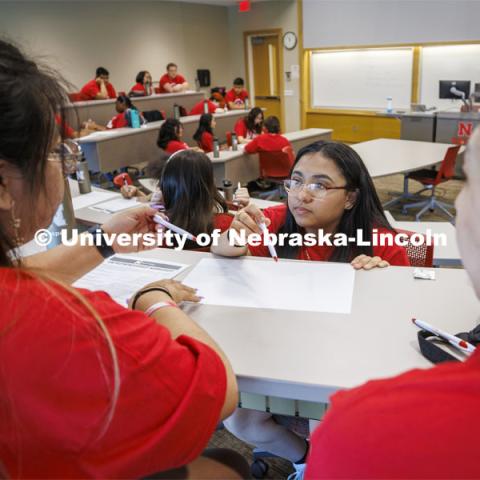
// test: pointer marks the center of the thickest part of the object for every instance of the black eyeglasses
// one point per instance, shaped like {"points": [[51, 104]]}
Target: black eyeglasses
{"points": [[316, 190]]}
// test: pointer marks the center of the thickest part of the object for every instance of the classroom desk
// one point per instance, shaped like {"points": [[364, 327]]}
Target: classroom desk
{"points": [[308, 356], [241, 167], [102, 111], [385, 157], [113, 149]]}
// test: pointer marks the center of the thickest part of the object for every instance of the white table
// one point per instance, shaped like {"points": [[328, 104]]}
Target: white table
{"points": [[385, 156], [102, 111], [238, 166], [308, 356], [113, 149]]}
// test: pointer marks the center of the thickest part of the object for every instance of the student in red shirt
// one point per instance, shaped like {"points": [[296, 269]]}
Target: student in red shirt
{"points": [[122, 104], [100, 87], [143, 87], [199, 108], [270, 141], [235, 97], [92, 389], [172, 82], [170, 136], [422, 424], [247, 128], [204, 135], [329, 189]]}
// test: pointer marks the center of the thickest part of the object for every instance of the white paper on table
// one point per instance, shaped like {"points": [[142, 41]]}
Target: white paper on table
{"points": [[87, 199], [122, 275], [116, 205], [283, 285]]}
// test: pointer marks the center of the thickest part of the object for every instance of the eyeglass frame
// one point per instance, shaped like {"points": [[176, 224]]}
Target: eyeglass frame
{"points": [[306, 185]]}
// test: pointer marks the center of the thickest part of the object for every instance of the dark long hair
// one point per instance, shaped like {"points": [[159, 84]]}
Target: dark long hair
{"points": [[30, 98], [204, 125], [190, 196], [250, 120], [366, 214], [168, 132], [141, 76], [126, 101]]}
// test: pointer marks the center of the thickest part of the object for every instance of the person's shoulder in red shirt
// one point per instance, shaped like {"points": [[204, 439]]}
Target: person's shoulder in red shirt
{"points": [[93, 89], [66, 130], [206, 142], [118, 121], [267, 142], [422, 424], [90, 90], [76, 418], [138, 89], [240, 127], [175, 145], [198, 109]]}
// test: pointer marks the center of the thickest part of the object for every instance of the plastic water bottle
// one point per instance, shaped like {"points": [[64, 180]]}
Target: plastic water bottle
{"points": [[234, 141], [176, 111], [389, 105], [246, 104], [228, 190], [205, 107], [216, 148]]}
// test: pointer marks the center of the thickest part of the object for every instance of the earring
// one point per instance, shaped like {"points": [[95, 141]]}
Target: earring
{"points": [[15, 223]]}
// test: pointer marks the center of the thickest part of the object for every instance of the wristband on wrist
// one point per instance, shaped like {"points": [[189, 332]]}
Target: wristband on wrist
{"points": [[157, 306], [150, 289], [105, 250]]}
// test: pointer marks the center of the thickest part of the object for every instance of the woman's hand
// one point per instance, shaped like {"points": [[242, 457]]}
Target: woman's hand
{"points": [[242, 197], [367, 263], [178, 293], [133, 221], [129, 191], [247, 220]]}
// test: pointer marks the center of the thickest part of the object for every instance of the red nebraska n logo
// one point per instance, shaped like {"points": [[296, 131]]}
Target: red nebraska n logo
{"points": [[465, 129]]}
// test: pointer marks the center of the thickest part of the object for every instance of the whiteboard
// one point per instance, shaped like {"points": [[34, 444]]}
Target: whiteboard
{"points": [[449, 62], [362, 78]]}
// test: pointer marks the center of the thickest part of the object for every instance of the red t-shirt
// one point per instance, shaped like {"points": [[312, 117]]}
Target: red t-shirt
{"points": [[206, 142], [422, 424], [118, 121], [175, 145], [267, 142], [198, 108], [241, 129], [91, 89], [139, 88], [395, 255], [178, 80], [68, 131], [222, 222], [57, 381], [231, 96]]}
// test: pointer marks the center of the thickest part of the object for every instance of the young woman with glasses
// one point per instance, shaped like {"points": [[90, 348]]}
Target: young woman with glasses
{"points": [[331, 190]]}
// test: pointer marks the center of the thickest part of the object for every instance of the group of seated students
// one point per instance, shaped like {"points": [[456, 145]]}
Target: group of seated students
{"points": [[100, 87], [92, 389]]}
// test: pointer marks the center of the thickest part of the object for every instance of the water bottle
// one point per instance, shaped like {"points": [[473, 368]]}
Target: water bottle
{"points": [[83, 177], [228, 190], [234, 141], [216, 148], [246, 104], [389, 105], [176, 111], [205, 107], [197, 85]]}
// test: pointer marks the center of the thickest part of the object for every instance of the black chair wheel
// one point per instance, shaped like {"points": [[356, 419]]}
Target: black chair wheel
{"points": [[258, 468]]}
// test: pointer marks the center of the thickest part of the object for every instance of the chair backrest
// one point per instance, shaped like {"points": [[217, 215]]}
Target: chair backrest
{"points": [[418, 255], [276, 164], [447, 168], [229, 138], [157, 90]]}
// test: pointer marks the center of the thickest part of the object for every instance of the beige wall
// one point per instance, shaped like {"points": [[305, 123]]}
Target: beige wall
{"points": [[265, 15], [124, 37]]}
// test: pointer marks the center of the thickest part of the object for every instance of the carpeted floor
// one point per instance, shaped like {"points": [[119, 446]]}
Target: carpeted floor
{"points": [[278, 468]]}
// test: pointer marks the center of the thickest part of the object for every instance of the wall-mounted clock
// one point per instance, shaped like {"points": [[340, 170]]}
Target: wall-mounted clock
{"points": [[289, 40]]}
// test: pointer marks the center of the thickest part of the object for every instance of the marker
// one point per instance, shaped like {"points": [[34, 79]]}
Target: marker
{"points": [[452, 339], [239, 186], [271, 248], [174, 228]]}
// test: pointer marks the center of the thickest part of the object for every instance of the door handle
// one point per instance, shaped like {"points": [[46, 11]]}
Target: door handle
{"points": [[266, 97]]}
